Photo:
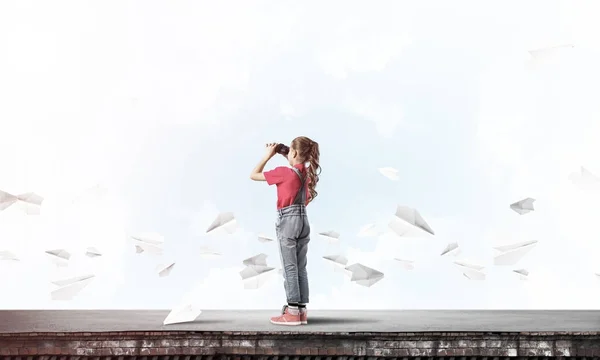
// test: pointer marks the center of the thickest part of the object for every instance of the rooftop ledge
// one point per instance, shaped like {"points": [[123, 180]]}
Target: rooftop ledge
{"points": [[330, 335]]}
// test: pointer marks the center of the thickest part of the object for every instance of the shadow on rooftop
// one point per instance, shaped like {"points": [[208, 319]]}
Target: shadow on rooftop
{"points": [[316, 320], [197, 322]]}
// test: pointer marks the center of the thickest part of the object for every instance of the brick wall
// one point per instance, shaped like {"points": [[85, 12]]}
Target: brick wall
{"points": [[180, 345]]}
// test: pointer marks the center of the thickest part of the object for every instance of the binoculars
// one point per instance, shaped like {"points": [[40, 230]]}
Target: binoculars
{"points": [[282, 149]]}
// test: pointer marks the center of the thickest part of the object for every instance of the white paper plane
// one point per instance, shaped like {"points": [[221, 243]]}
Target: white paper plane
{"points": [[148, 242], [8, 256], [548, 51], [60, 257], [206, 251], [331, 236], [224, 223], [470, 271], [92, 252], [523, 274], [336, 260], [511, 254], [264, 238], [255, 276], [30, 202], [149, 238], [523, 206], [165, 269], [389, 173], [406, 264], [72, 280], [182, 314], [585, 180], [409, 223], [369, 230], [451, 249], [260, 259], [364, 275], [338, 264], [6, 200], [70, 287], [148, 248], [254, 270]]}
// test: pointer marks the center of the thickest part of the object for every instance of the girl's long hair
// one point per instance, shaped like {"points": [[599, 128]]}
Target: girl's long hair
{"points": [[308, 151]]}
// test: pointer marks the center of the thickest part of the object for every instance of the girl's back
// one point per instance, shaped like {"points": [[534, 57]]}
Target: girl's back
{"points": [[288, 184]]}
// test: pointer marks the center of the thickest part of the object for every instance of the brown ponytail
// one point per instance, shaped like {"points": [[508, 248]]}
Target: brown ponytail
{"points": [[308, 151]]}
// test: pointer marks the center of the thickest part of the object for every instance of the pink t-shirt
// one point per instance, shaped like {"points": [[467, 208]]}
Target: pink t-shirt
{"points": [[288, 184]]}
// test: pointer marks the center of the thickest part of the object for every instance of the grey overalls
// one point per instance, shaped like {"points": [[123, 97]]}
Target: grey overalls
{"points": [[293, 236]]}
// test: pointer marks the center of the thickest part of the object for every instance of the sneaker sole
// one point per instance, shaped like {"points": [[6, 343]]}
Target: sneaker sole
{"points": [[303, 322], [290, 323]]}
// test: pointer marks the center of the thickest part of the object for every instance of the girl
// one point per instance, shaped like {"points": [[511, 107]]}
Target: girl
{"points": [[295, 189]]}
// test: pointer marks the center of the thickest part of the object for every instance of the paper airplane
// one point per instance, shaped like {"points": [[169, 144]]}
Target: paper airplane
{"points": [[389, 173], [451, 249], [254, 270], [260, 259], [165, 269], [369, 230], [208, 252], [406, 264], [364, 275], [523, 274], [148, 242], [511, 254], [71, 280], [585, 180], [7, 255], [224, 223], [28, 202], [149, 238], [546, 51], [331, 236], [182, 314], [409, 223], [263, 238], [149, 248], [338, 264], [470, 271], [255, 276], [70, 287], [92, 252], [60, 257], [524, 206]]}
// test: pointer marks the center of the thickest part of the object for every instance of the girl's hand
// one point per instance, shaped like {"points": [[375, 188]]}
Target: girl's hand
{"points": [[270, 150]]}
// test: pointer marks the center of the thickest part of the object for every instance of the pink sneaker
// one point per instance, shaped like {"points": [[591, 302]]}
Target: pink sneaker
{"points": [[286, 318], [303, 316]]}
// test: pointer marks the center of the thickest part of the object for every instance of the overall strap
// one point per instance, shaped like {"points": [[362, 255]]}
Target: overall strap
{"points": [[300, 198]]}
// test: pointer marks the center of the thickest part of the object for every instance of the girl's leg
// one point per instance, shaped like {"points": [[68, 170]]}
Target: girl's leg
{"points": [[302, 258], [289, 262], [286, 228]]}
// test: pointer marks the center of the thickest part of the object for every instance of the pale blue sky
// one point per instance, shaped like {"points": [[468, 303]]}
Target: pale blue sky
{"points": [[169, 105]]}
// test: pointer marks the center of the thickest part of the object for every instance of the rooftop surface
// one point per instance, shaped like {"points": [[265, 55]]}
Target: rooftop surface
{"points": [[22, 321]]}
